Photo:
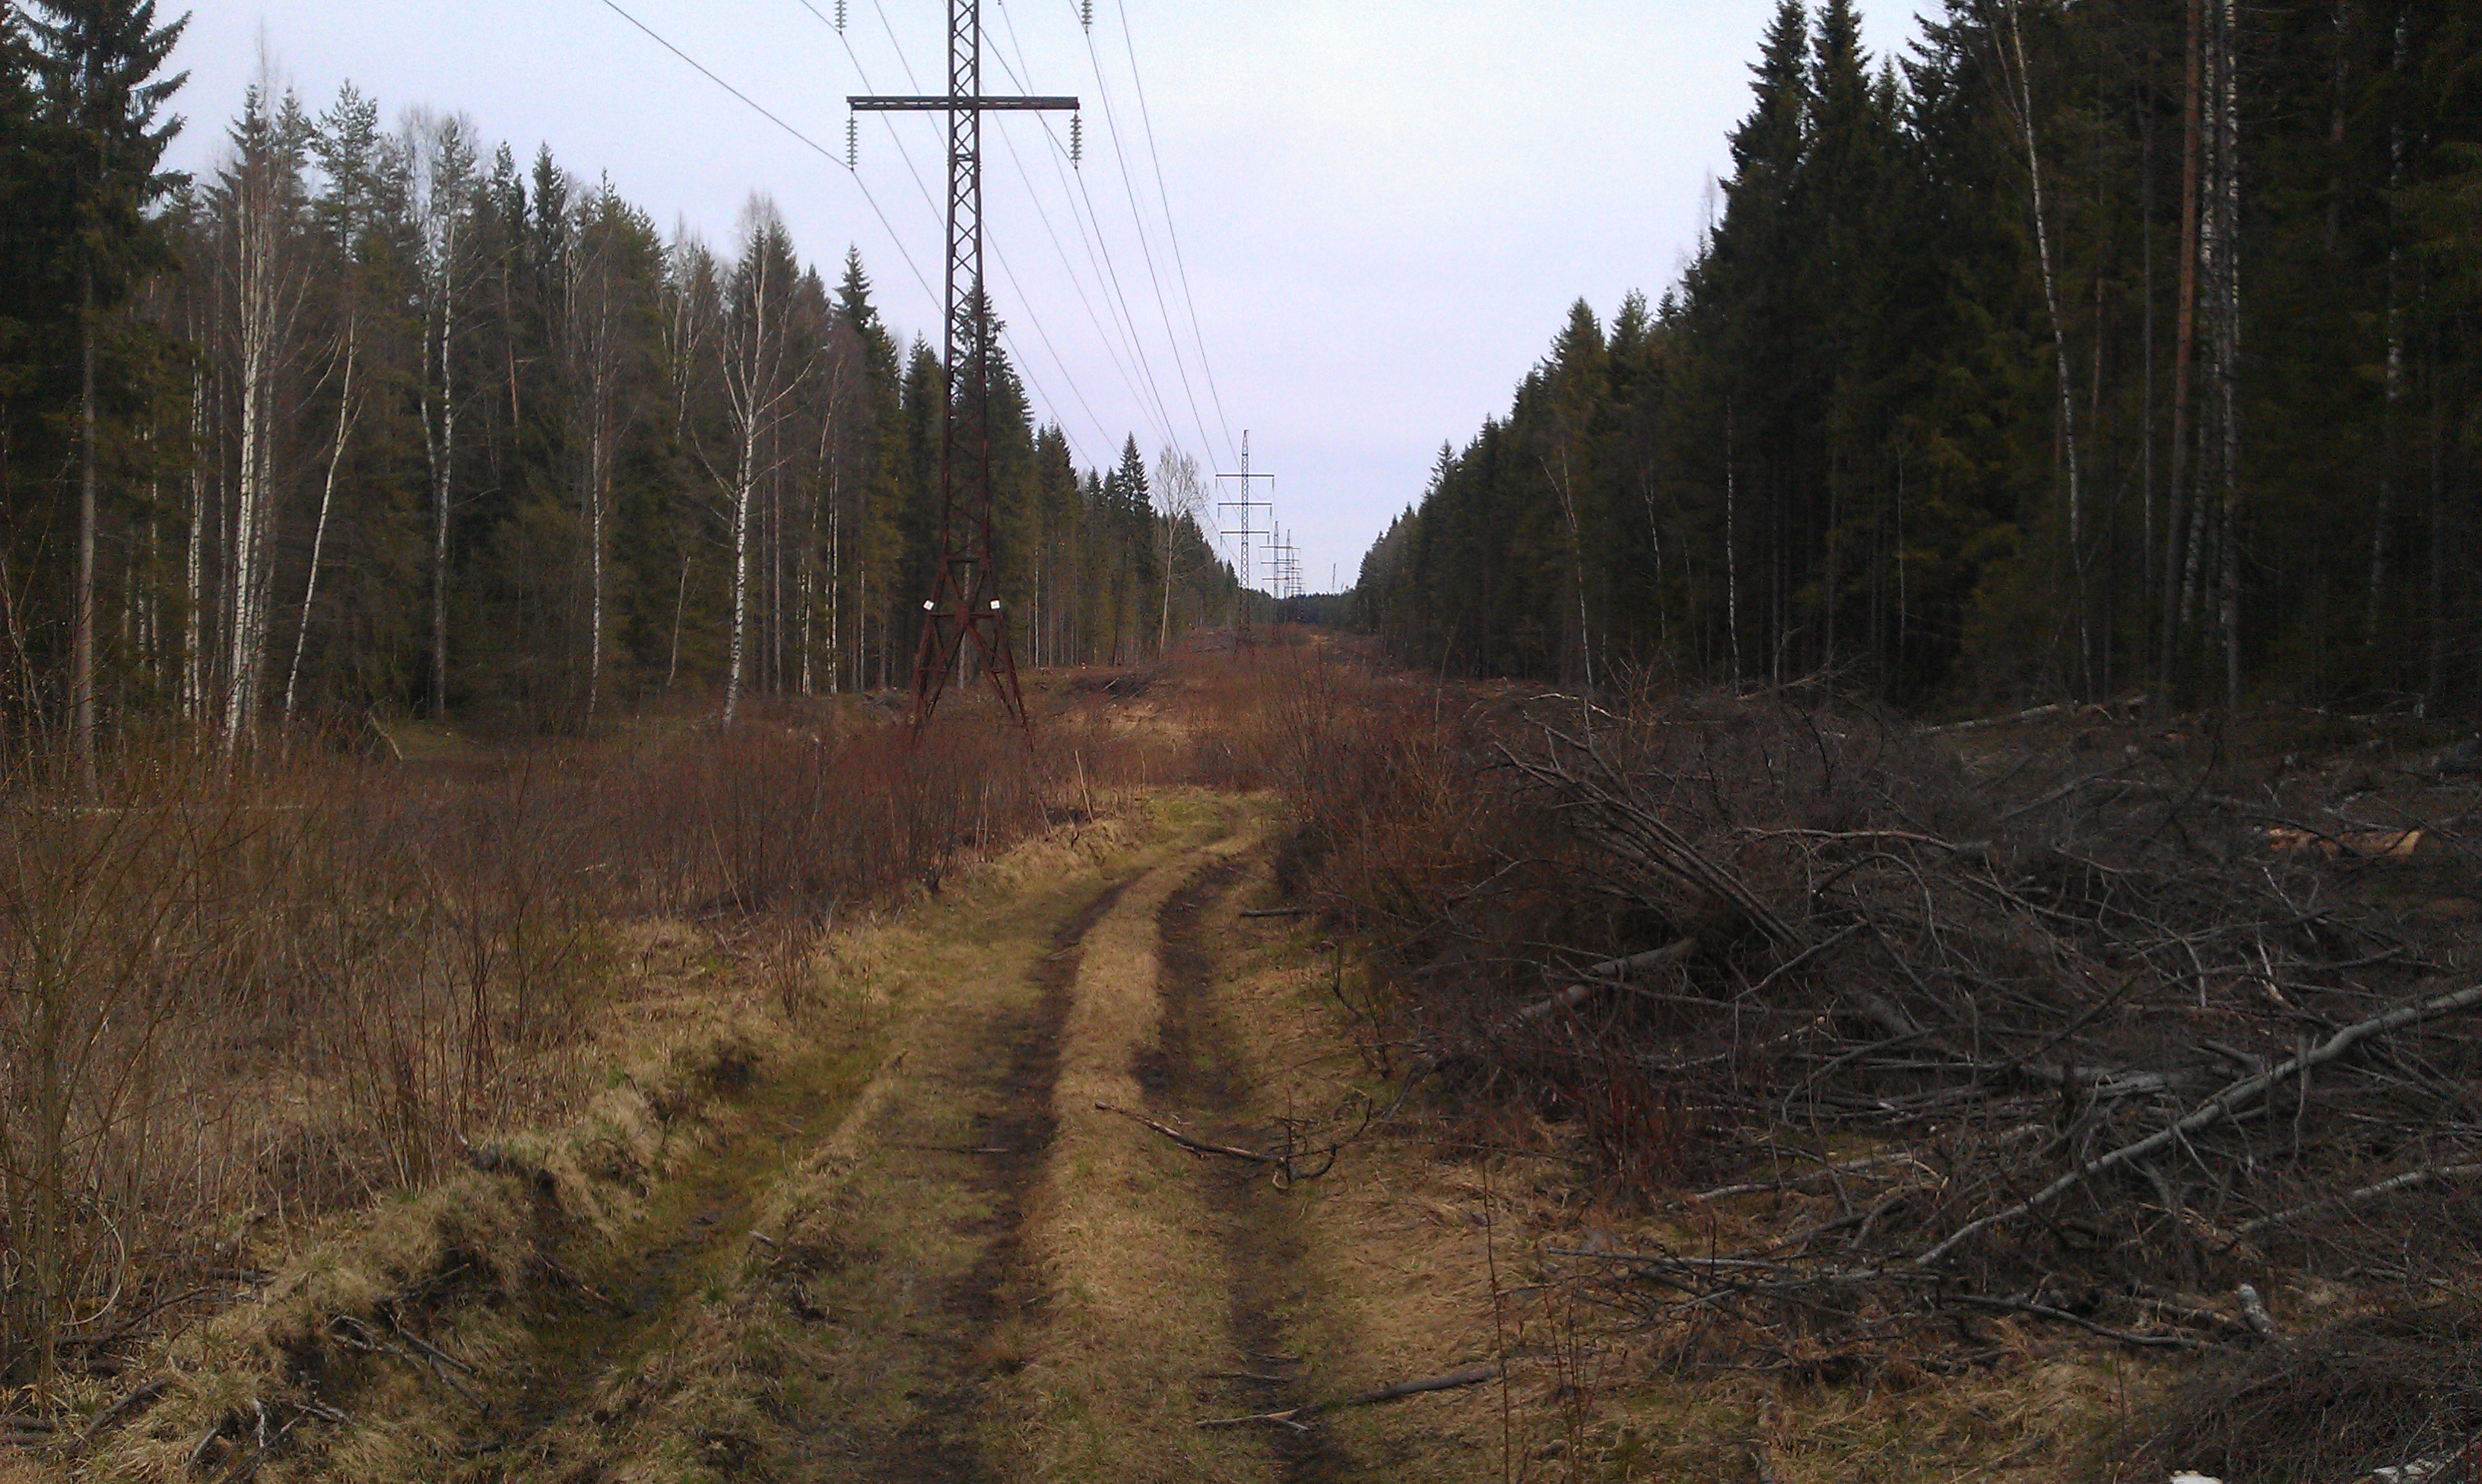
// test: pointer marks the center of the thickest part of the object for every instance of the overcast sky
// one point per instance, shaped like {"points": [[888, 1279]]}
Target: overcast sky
{"points": [[1382, 207]]}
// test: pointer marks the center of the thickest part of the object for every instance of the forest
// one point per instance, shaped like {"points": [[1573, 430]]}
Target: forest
{"points": [[2076, 350], [372, 422]]}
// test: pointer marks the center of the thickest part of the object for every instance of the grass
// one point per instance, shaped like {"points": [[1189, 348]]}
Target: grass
{"points": [[628, 1321], [827, 1194], [827, 1335], [249, 1005], [1132, 1274]]}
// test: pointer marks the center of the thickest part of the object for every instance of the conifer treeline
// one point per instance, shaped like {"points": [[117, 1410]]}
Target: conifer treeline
{"points": [[384, 420], [2084, 345]]}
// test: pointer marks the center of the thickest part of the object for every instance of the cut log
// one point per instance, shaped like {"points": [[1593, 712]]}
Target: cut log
{"points": [[2408, 1181]]}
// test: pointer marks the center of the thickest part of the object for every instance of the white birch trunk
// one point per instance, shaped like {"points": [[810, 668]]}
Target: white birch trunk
{"points": [[194, 562], [346, 412]]}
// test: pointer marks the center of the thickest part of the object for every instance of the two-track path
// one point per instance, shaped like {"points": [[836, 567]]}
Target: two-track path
{"points": [[1013, 1283], [947, 1263]]}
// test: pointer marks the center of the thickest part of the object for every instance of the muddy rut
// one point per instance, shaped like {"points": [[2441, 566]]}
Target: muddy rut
{"points": [[1012, 1132], [1194, 1074]]}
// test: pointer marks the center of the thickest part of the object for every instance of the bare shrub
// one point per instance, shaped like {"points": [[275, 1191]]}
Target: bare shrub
{"points": [[234, 1001]]}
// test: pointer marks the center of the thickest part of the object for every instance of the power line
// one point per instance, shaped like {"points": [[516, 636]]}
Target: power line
{"points": [[894, 240], [905, 65], [1157, 411], [1101, 243], [1172, 227], [755, 107], [703, 72], [1111, 119]]}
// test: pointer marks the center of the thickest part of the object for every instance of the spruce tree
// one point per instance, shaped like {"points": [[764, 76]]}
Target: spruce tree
{"points": [[30, 201], [100, 62]]}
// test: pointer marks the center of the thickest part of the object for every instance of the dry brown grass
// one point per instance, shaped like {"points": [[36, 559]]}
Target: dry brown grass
{"points": [[852, 1335], [242, 1000], [1436, 1243], [1136, 1308]]}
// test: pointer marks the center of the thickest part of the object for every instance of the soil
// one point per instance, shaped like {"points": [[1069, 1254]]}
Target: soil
{"points": [[1192, 1076], [1011, 1137]]}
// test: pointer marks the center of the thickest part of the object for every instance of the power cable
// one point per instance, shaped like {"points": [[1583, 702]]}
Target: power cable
{"points": [[1123, 323], [877, 210], [1172, 227], [1025, 372], [890, 227], [1137, 219], [1101, 241]]}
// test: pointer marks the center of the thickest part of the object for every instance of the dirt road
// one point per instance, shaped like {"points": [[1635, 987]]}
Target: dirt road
{"points": [[908, 1243], [980, 1273]]}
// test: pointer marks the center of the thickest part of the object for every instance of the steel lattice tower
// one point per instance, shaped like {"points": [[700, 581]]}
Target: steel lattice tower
{"points": [[1247, 504], [963, 613]]}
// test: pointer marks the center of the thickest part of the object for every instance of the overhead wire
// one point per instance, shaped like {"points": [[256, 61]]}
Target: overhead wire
{"points": [[1172, 227], [763, 112], [1146, 245], [1098, 247], [1136, 219], [1026, 371], [1123, 321], [894, 238], [1098, 243]]}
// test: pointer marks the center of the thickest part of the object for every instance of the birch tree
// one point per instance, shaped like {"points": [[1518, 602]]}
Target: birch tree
{"points": [[349, 153], [261, 200], [442, 157], [2017, 81], [760, 375], [1181, 490], [597, 338]]}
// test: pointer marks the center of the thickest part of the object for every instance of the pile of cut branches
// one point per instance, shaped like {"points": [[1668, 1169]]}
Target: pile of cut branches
{"points": [[2088, 1035]]}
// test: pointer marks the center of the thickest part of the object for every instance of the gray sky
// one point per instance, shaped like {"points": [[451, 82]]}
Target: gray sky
{"points": [[1384, 207]]}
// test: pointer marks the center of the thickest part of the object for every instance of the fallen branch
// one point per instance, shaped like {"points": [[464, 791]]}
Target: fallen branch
{"points": [[1829, 1172], [1277, 912], [2215, 1109], [553, 1266], [2389, 1186], [111, 1415], [2063, 1317], [1299, 1419], [364, 1338], [1985, 723], [1194, 1146], [1598, 977]]}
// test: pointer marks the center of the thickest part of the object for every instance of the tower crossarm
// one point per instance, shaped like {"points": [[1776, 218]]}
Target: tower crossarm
{"points": [[937, 103]]}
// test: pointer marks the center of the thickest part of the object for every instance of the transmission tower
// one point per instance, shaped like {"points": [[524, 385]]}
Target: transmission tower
{"points": [[963, 612], [1248, 505], [1283, 572]]}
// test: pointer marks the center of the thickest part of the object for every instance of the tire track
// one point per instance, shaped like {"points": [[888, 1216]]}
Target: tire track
{"points": [[1013, 1133], [1193, 1075]]}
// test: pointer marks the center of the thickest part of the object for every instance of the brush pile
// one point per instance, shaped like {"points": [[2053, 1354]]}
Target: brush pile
{"points": [[1899, 1031]]}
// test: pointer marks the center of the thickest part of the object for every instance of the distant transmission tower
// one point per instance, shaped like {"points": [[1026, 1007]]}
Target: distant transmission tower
{"points": [[963, 609], [1283, 572], [1248, 505]]}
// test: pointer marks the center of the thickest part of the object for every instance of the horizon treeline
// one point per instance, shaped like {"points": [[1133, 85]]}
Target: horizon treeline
{"points": [[2082, 349], [380, 420]]}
